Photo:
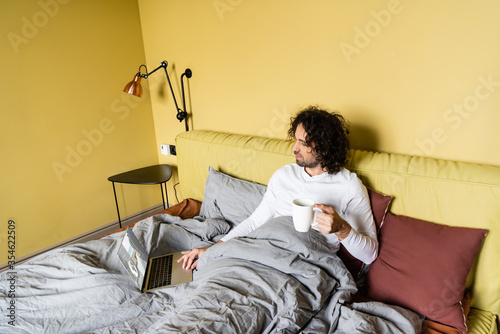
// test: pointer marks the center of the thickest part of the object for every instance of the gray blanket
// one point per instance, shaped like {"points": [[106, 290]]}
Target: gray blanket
{"points": [[275, 280]]}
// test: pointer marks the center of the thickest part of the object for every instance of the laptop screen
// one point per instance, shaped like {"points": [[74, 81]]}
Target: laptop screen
{"points": [[133, 257]]}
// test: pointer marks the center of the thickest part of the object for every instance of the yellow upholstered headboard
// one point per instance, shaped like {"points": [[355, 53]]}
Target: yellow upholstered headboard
{"points": [[445, 192], [250, 158]]}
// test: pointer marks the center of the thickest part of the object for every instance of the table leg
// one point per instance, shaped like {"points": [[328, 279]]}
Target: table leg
{"points": [[166, 194], [162, 195], [116, 202]]}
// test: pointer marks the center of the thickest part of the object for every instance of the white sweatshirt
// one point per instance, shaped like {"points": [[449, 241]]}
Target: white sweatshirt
{"points": [[343, 191]]}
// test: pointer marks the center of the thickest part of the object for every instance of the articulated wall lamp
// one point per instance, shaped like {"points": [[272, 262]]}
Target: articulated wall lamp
{"points": [[134, 88]]}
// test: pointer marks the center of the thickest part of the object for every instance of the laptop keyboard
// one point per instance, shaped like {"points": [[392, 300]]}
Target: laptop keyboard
{"points": [[161, 272]]}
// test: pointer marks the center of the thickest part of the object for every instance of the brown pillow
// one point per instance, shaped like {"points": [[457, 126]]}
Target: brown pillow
{"points": [[186, 209], [423, 266], [380, 204]]}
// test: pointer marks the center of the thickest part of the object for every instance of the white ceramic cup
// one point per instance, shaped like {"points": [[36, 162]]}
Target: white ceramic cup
{"points": [[304, 214]]}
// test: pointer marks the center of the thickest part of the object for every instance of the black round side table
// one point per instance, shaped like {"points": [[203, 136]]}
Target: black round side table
{"points": [[156, 174]]}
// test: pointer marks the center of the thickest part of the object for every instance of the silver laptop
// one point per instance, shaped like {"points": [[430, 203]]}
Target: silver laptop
{"points": [[151, 273]]}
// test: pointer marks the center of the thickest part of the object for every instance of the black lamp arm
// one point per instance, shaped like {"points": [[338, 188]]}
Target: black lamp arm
{"points": [[145, 76], [181, 113], [187, 73]]}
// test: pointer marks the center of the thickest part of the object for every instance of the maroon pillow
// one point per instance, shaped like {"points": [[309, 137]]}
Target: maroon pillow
{"points": [[423, 266], [380, 204]]}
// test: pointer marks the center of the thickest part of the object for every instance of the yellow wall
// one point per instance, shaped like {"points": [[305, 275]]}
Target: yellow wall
{"points": [[413, 77], [64, 64]]}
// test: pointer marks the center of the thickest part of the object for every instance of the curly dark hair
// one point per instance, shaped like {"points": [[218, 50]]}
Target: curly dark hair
{"points": [[327, 132]]}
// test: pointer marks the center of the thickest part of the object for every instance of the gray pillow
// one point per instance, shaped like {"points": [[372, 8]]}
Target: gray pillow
{"points": [[230, 198]]}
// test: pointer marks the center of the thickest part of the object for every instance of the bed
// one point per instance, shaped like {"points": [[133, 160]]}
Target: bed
{"points": [[437, 269]]}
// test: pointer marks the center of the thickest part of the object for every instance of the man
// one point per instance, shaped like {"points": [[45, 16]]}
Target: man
{"points": [[321, 150]]}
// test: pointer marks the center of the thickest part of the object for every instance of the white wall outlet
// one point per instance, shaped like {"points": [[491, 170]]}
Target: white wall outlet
{"points": [[167, 149]]}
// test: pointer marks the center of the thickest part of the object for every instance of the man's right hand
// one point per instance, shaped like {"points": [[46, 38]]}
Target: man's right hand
{"points": [[190, 258]]}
